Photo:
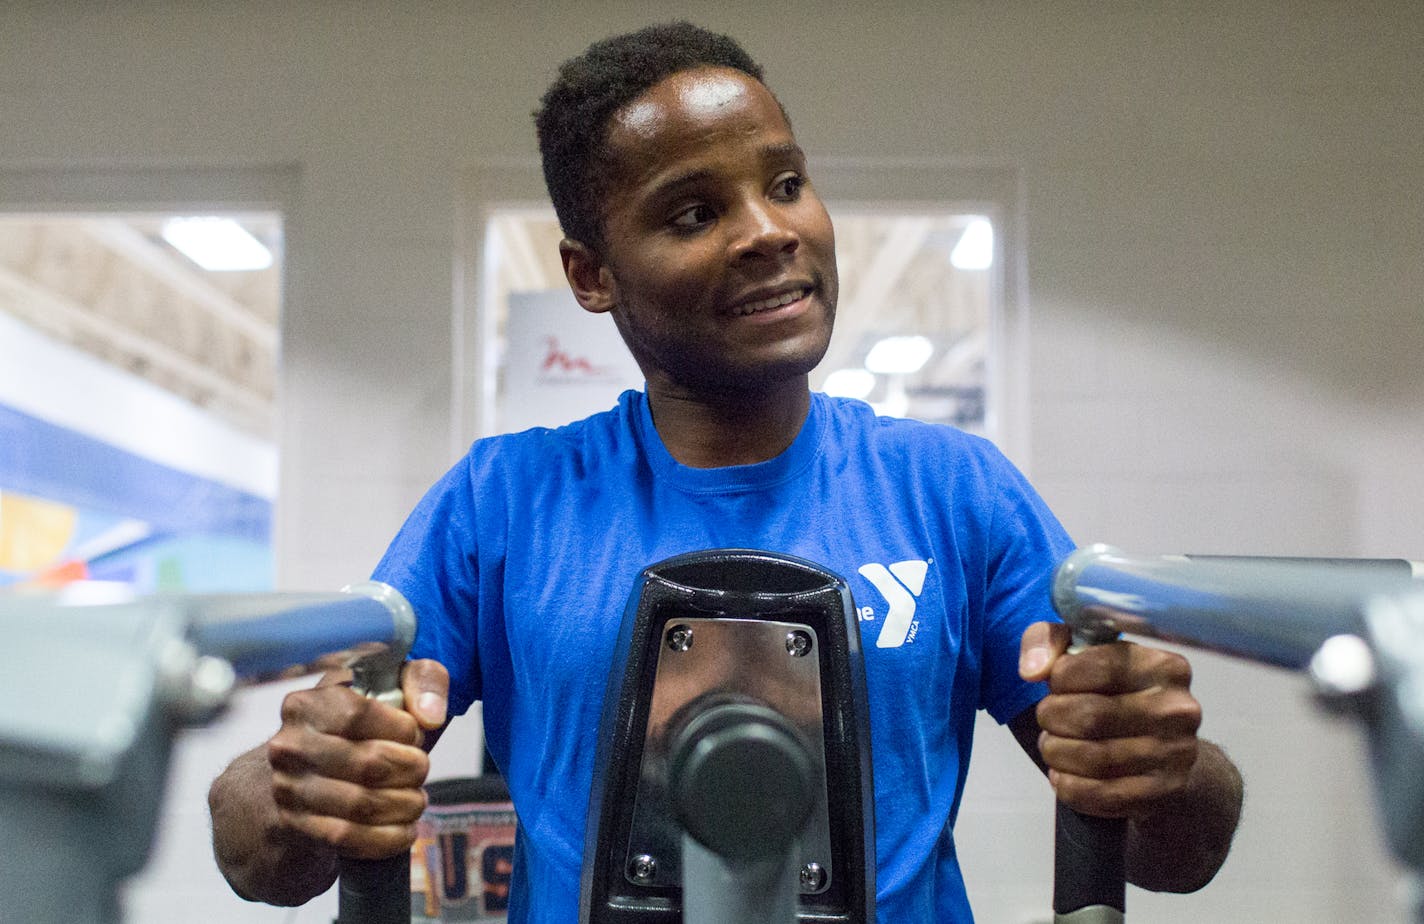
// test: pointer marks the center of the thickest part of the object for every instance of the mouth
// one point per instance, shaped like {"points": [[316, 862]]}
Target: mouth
{"points": [[771, 302]]}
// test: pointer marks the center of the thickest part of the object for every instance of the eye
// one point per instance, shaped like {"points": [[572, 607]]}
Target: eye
{"points": [[788, 187], [694, 216]]}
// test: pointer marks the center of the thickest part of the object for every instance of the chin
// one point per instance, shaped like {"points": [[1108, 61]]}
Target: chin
{"points": [[771, 374]]}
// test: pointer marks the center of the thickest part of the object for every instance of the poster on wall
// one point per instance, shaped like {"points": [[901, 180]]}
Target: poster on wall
{"points": [[73, 508], [106, 477], [562, 363]]}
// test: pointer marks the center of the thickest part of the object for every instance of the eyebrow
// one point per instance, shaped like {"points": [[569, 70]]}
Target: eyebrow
{"points": [[785, 150]]}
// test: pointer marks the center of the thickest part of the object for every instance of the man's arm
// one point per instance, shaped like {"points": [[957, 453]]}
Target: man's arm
{"points": [[341, 777], [1117, 736]]}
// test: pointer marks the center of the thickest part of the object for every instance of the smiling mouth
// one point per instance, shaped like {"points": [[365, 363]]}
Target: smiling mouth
{"points": [[771, 303]]}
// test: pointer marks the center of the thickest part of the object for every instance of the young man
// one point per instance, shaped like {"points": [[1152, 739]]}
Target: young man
{"points": [[691, 220]]}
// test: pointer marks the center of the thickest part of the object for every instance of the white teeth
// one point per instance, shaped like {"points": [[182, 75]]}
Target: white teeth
{"points": [[776, 301]]}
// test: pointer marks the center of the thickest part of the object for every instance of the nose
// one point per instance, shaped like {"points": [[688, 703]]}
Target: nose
{"points": [[764, 231]]}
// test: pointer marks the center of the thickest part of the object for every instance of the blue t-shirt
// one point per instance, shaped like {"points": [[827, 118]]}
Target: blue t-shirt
{"points": [[520, 560]]}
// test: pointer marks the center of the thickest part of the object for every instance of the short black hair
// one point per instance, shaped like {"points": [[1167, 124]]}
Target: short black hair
{"points": [[572, 121]]}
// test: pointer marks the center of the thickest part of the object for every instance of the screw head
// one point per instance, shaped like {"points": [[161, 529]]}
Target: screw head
{"points": [[642, 868], [813, 876], [798, 643], [679, 637], [1343, 668]]}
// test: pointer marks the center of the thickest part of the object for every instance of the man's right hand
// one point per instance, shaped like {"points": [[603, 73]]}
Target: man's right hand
{"points": [[342, 777], [347, 771]]}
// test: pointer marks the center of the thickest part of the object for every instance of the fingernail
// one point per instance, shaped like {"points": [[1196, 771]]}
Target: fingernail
{"points": [[1033, 661], [432, 707]]}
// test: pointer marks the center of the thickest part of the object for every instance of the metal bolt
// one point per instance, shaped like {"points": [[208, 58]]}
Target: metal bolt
{"points": [[812, 877], [211, 685], [194, 688], [679, 638], [1343, 669], [642, 868], [798, 643]]}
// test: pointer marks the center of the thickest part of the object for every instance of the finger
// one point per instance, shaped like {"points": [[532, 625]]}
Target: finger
{"points": [[374, 763], [1040, 647], [306, 793], [1119, 758], [339, 710], [1119, 667], [1164, 712], [363, 842], [1121, 797], [426, 686]]}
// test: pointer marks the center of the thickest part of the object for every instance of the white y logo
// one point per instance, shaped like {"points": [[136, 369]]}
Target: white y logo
{"points": [[900, 585]]}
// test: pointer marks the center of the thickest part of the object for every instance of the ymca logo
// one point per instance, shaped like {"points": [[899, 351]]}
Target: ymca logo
{"points": [[900, 585]]}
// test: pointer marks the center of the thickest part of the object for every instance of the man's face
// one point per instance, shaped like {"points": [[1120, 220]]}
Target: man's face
{"points": [[719, 257]]}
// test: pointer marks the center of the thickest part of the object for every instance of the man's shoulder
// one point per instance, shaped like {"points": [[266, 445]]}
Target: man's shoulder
{"points": [[590, 434]]}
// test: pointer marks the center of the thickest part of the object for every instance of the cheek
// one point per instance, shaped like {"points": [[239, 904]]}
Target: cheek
{"points": [[819, 235], [824, 246], [673, 279]]}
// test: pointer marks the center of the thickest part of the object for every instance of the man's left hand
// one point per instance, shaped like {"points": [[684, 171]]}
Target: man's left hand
{"points": [[1119, 726]]}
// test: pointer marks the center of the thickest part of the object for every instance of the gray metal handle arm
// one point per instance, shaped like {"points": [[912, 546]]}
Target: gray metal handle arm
{"points": [[1356, 626], [95, 694]]}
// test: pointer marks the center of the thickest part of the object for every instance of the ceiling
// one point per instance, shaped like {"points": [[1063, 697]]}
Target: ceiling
{"points": [[110, 286]]}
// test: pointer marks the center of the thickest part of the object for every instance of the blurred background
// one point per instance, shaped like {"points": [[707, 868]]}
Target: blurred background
{"points": [[1170, 257]]}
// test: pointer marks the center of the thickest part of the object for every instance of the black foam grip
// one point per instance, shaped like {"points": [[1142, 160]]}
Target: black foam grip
{"points": [[1089, 861], [375, 891]]}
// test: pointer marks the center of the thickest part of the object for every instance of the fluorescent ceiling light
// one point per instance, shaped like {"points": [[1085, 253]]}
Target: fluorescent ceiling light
{"points": [[975, 250], [217, 244], [849, 383], [899, 355]]}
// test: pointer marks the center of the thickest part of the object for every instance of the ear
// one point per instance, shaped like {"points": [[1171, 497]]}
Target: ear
{"points": [[589, 277]]}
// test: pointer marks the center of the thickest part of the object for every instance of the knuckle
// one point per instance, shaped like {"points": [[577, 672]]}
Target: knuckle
{"points": [[385, 763], [419, 767], [366, 808], [293, 707], [1084, 716], [284, 752], [371, 766], [1178, 668], [410, 807], [1055, 713], [326, 708], [1092, 718], [1092, 797], [1183, 756], [344, 836], [1181, 712]]}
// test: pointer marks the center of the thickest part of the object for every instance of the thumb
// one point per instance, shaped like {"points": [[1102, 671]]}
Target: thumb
{"points": [[1041, 645], [426, 687]]}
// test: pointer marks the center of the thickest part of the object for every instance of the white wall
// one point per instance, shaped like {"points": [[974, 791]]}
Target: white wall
{"points": [[1223, 278]]}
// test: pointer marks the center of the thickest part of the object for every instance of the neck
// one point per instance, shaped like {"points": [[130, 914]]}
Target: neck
{"points": [[740, 428]]}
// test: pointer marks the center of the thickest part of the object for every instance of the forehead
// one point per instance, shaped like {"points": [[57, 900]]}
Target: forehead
{"points": [[695, 113]]}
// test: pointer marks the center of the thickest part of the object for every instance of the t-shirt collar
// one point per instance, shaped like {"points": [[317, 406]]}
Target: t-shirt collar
{"points": [[757, 476]]}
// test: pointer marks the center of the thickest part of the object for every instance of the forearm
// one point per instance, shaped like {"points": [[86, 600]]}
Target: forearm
{"points": [[262, 860], [1180, 847]]}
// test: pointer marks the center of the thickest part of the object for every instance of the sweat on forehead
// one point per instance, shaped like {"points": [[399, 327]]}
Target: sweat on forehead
{"points": [[700, 94]]}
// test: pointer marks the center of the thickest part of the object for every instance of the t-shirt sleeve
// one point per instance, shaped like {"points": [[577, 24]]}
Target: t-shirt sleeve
{"points": [[433, 562], [1025, 543]]}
